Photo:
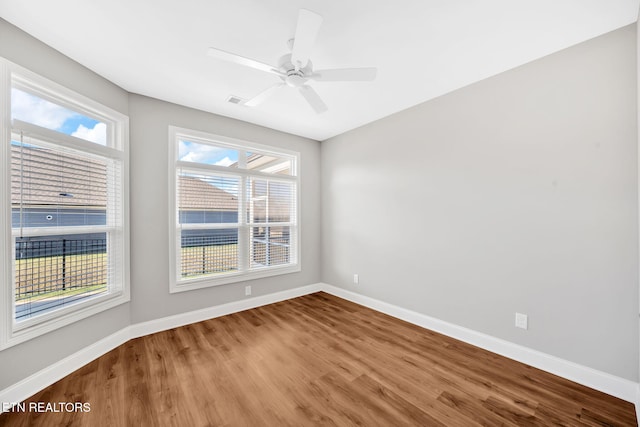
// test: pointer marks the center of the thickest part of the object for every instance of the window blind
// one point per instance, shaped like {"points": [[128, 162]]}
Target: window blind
{"points": [[65, 208], [208, 218]]}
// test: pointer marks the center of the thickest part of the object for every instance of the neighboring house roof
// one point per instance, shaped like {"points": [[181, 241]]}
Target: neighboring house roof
{"points": [[48, 177], [42, 177], [196, 194]]}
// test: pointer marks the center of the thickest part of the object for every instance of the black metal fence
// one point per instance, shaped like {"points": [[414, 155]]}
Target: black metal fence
{"points": [[45, 246], [209, 251], [57, 263]]}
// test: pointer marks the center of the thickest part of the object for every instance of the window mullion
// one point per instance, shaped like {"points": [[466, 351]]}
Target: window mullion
{"points": [[267, 229], [58, 139], [243, 229]]}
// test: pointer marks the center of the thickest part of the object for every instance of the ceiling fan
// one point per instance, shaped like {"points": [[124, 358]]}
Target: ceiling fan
{"points": [[295, 69]]}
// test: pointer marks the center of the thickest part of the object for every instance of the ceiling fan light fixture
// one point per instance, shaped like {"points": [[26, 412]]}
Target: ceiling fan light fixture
{"points": [[295, 80], [295, 69]]}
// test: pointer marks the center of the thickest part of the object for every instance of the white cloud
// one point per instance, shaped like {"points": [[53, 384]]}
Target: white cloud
{"points": [[199, 153], [203, 153], [38, 111], [195, 156], [225, 162], [98, 134]]}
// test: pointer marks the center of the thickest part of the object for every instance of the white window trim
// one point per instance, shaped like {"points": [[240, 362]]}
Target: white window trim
{"points": [[12, 332], [175, 283]]}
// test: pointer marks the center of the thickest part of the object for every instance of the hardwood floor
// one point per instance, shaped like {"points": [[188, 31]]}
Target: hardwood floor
{"points": [[316, 360]]}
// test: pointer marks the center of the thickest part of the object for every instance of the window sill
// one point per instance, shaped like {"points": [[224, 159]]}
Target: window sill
{"points": [[211, 281], [40, 325]]}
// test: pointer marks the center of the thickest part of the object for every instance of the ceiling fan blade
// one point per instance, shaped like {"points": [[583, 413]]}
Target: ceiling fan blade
{"points": [[262, 96], [232, 57], [345, 75], [306, 34], [313, 99]]}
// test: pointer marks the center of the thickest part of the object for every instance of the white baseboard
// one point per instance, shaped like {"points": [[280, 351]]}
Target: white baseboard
{"points": [[153, 326], [49, 375], [607, 383], [602, 381]]}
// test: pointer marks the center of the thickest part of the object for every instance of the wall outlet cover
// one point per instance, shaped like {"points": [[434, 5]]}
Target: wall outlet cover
{"points": [[522, 321]]}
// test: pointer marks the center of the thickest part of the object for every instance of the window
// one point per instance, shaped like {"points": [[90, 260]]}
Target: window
{"points": [[234, 210], [64, 206]]}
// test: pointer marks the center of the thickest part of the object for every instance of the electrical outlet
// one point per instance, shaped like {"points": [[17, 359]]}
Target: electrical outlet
{"points": [[522, 321], [247, 290], [356, 279]]}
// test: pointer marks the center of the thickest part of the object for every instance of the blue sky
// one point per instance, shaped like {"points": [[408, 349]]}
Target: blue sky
{"points": [[33, 109], [189, 151]]}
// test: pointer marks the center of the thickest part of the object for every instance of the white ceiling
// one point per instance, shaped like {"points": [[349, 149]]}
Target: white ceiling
{"points": [[422, 48]]}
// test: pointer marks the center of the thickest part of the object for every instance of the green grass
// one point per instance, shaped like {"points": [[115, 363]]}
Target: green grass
{"points": [[94, 289], [46, 275], [212, 259], [42, 278]]}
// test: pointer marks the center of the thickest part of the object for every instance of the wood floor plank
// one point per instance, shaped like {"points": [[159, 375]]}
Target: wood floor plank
{"points": [[315, 360], [111, 375], [401, 410], [138, 383], [473, 409]]}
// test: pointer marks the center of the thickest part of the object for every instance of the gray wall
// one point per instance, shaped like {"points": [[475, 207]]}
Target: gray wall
{"points": [[149, 119], [518, 193], [24, 359], [515, 194], [150, 298]]}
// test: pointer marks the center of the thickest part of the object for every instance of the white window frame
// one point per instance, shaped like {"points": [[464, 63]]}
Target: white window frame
{"points": [[176, 282], [118, 292]]}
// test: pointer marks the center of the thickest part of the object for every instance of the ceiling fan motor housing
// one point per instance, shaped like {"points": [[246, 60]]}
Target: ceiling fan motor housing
{"points": [[294, 78]]}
